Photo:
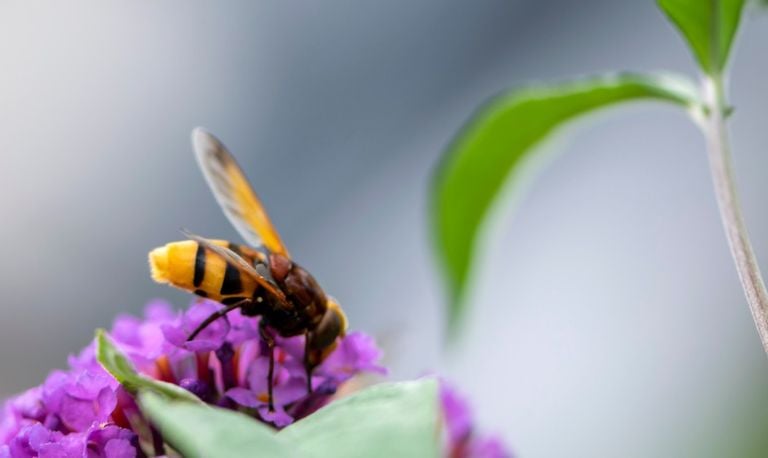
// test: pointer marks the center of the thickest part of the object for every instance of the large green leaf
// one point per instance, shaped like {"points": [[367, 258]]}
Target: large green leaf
{"points": [[500, 139], [394, 419], [198, 430], [118, 365], [709, 26]]}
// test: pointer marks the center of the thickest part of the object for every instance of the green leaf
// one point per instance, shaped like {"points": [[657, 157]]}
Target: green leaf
{"points": [[709, 26], [394, 419], [121, 368], [500, 140], [198, 430]]}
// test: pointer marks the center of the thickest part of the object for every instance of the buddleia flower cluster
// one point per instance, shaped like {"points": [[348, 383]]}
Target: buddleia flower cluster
{"points": [[85, 412]]}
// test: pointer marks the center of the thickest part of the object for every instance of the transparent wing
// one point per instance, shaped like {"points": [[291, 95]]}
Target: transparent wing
{"points": [[234, 194], [235, 259]]}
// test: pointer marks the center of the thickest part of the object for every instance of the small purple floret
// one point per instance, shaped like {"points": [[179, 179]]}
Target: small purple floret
{"points": [[460, 438]]}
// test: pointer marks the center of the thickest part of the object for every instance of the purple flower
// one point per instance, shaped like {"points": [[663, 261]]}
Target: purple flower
{"points": [[111, 442], [143, 340], [84, 412], [97, 442], [69, 416], [23, 410], [209, 339], [76, 400], [461, 441], [355, 354]]}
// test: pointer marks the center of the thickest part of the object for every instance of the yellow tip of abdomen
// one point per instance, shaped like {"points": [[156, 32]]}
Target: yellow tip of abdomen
{"points": [[158, 264]]}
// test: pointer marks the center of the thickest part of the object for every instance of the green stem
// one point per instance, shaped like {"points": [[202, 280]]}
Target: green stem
{"points": [[718, 146]]}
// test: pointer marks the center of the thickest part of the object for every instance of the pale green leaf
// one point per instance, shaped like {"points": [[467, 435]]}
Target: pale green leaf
{"points": [[387, 420], [395, 419], [499, 141], [199, 430]]}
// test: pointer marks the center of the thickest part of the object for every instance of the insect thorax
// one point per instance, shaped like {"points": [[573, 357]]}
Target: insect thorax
{"points": [[305, 296]]}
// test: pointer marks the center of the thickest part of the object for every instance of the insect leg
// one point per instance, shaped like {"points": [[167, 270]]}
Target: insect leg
{"points": [[215, 316], [270, 375], [307, 366]]}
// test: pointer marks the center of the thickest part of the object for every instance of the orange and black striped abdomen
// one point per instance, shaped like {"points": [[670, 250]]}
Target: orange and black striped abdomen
{"points": [[189, 266]]}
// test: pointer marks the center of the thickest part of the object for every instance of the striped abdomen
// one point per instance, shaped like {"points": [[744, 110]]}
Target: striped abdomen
{"points": [[189, 266]]}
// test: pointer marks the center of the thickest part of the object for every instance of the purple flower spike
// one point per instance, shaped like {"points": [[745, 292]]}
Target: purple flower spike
{"points": [[84, 413]]}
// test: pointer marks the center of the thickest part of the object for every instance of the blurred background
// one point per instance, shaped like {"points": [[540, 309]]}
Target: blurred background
{"points": [[607, 319]]}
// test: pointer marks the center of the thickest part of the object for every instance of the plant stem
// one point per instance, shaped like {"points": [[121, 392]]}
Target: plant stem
{"points": [[730, 212]]}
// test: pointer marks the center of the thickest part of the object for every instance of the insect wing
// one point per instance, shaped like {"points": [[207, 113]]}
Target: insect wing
{"points": [[235, 259], [234, 194]]}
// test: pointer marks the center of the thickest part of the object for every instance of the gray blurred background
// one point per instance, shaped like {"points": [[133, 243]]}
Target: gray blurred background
{"points": [[607, 319]]}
